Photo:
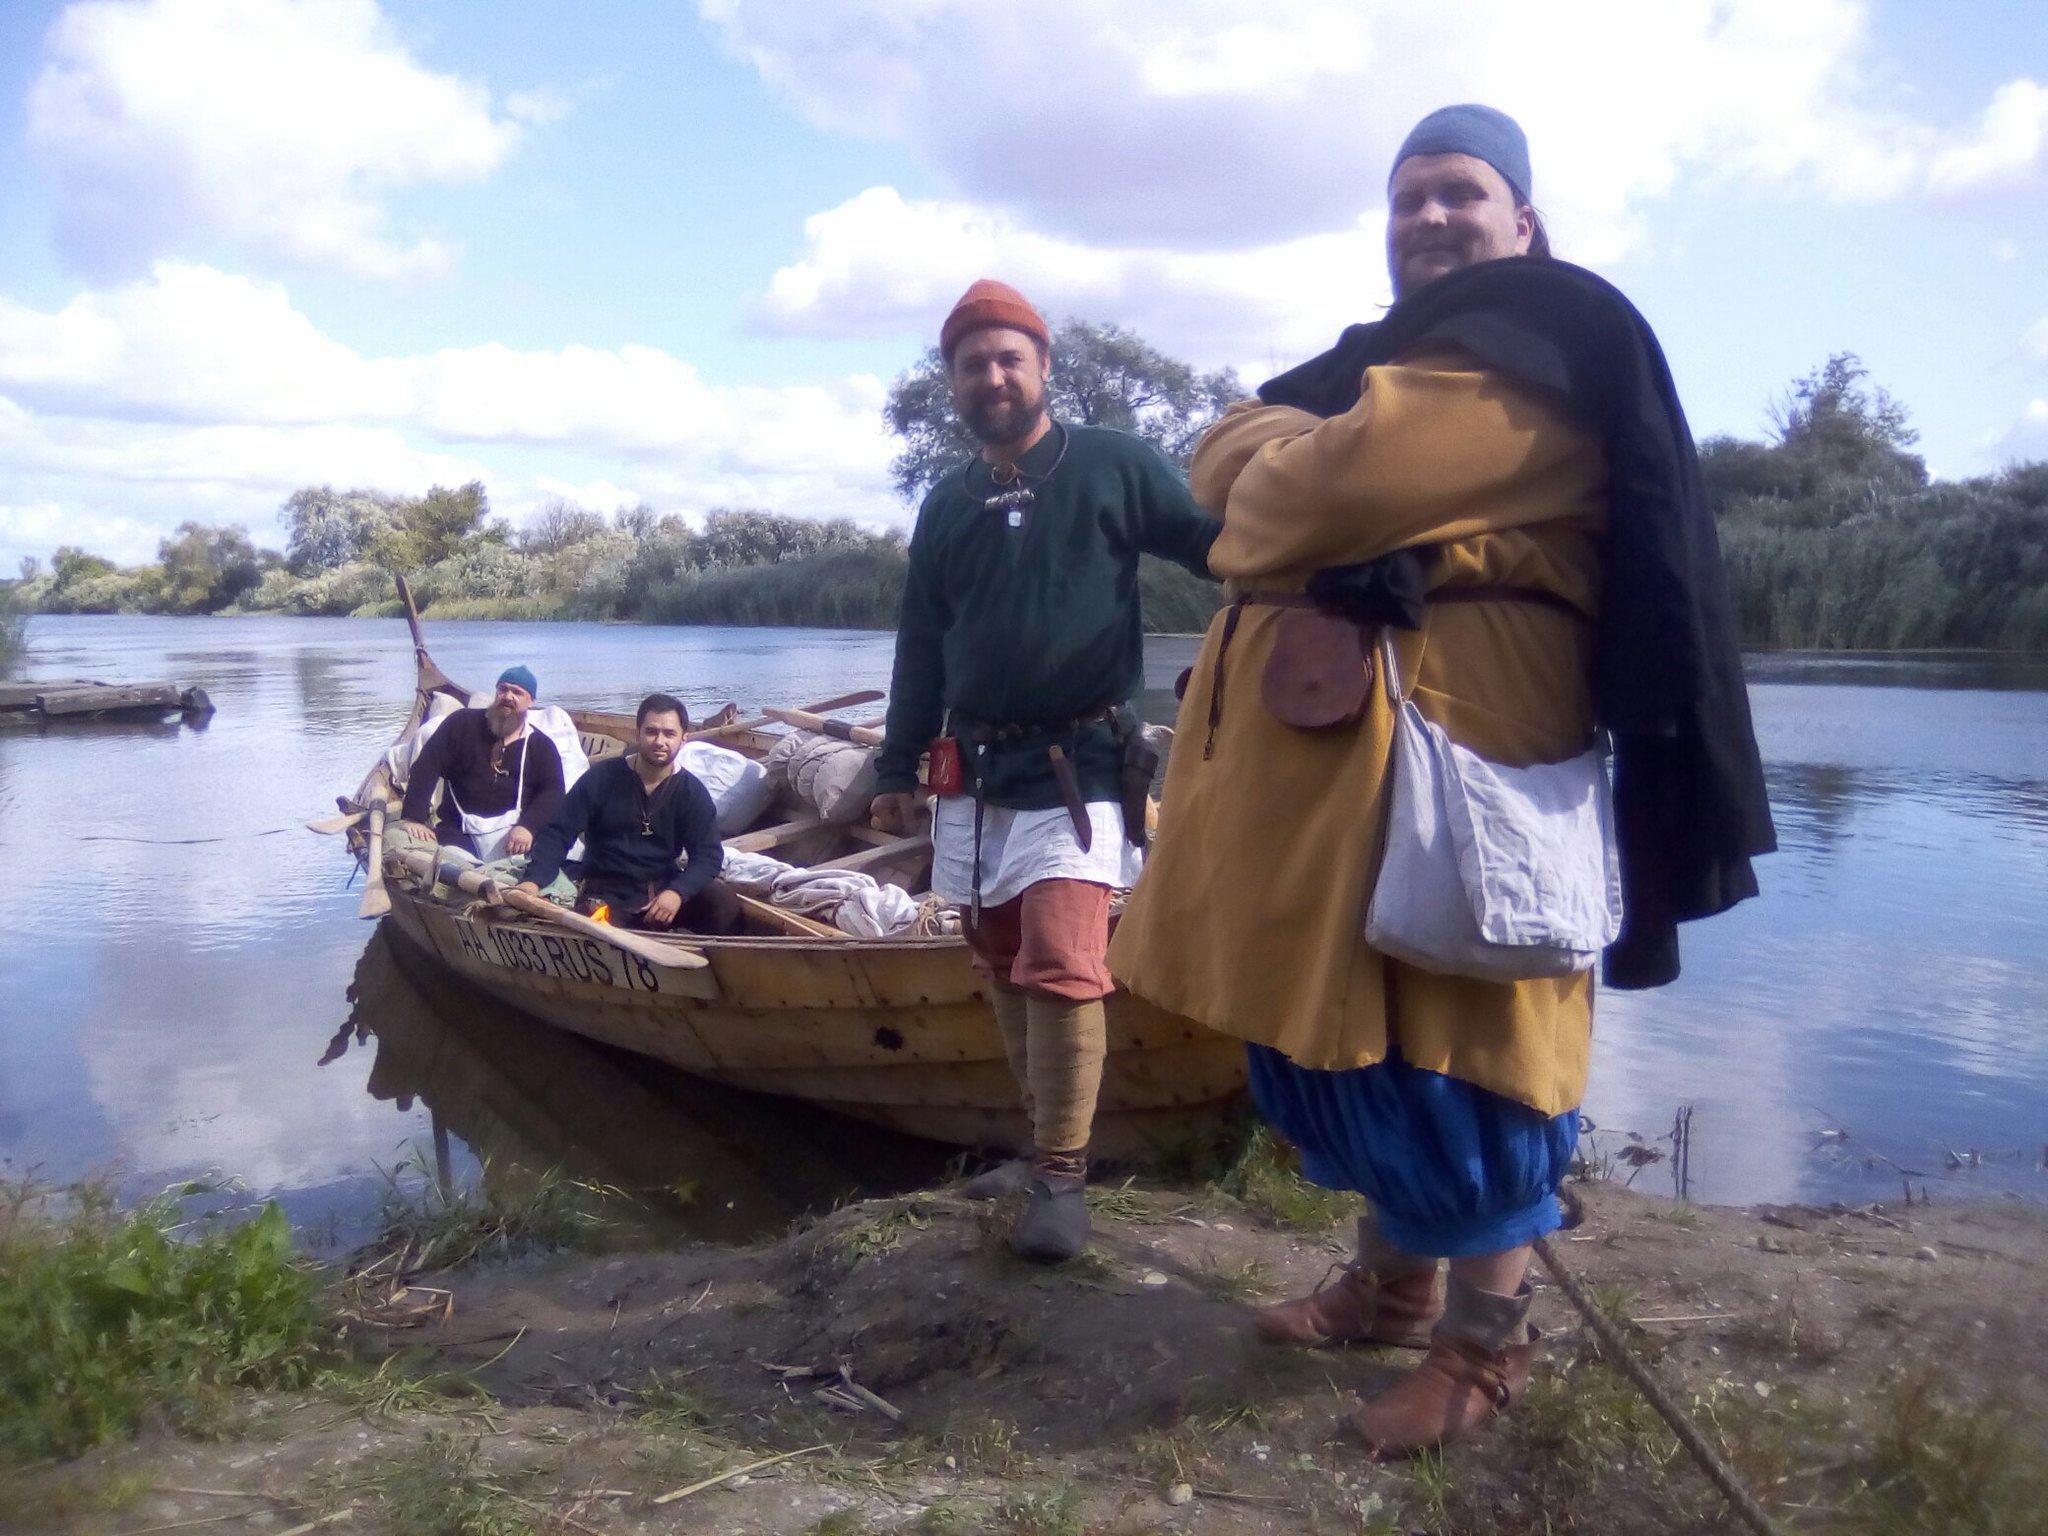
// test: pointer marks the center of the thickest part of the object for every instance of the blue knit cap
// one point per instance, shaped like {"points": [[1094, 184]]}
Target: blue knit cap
{"points": [[521, 677], [1484, 133]]}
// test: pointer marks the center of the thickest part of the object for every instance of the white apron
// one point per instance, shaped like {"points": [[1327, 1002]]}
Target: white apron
{"points": [[489, 832]]}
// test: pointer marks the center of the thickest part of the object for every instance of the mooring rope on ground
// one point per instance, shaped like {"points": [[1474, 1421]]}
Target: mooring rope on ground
{"points": [[1632, 1366]]}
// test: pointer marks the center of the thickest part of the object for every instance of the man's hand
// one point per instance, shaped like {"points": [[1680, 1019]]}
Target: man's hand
{"points": [[518, 840], [662, 911], [895, 813], [420, 830]]}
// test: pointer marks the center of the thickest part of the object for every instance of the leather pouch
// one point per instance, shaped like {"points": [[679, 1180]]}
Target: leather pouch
{"points": [[1319, 675], [943, 772]]}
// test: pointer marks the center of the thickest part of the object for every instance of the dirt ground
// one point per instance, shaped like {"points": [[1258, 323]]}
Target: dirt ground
{"points": [[1822, 1349]]}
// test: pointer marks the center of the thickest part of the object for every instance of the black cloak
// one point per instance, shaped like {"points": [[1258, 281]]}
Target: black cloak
{"points": [[1690, 805]]}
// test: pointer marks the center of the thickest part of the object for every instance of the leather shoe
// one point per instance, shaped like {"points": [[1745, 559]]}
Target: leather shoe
{"points": [[1353, 1305], [1055, 1225]]}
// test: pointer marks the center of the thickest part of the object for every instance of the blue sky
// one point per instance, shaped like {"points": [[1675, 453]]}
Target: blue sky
{"points": [[674, 252]]}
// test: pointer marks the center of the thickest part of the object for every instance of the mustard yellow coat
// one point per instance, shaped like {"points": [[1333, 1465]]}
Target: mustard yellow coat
{"points": [[1250, 914]]}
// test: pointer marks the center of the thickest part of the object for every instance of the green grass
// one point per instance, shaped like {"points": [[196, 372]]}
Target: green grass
{"points": [[1054, 1512], [1942, 1464], [1266, 1176], [440, 1490], [425, 1228], [106, 1315]]}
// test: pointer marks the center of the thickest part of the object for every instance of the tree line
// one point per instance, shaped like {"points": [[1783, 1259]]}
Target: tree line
{"points": [[1833, 533]]}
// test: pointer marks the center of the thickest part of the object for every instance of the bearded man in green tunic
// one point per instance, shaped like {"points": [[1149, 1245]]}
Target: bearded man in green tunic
{"points": [[1020, 639]]}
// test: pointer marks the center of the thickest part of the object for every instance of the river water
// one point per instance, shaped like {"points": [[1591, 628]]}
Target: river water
{"points": [[177, 954]]}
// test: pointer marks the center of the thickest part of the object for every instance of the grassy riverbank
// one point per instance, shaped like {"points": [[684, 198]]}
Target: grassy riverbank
{"points": [[1868, 1371]]}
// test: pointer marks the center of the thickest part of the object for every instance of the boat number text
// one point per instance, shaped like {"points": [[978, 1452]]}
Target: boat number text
{"points": [[568, 956]]}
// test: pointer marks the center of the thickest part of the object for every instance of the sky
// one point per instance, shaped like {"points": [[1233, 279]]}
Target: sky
{"points": [[674, 251]]}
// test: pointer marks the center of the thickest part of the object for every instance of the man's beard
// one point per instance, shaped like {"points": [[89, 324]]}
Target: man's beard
{"points": [[658, 755], [504, 723], [1004, 416]]}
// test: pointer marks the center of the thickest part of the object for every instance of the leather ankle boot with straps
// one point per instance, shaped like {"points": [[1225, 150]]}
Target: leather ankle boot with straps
{"points": [[1477, 1367]]}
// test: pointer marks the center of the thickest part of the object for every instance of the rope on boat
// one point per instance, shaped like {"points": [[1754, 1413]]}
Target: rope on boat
{"points": [[1632, 1366]]}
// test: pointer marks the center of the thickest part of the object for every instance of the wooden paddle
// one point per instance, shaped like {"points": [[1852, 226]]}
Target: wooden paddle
{"points": [[807, 720], [333, 824], [431, 677], [844, 701], [376, 900], [482, 886]]}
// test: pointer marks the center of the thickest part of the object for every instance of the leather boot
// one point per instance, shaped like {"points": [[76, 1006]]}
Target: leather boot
{"points": [[1383, 1296], [1478, 1364], [1009, 1177], [1055, 1226]]}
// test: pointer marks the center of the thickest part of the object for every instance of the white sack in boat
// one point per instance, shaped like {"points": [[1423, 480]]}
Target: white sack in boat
{"points": [[835, 778], [850, 901], [553, 722], [740, 788]]}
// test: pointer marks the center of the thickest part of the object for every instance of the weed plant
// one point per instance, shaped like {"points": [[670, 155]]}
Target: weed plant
{"points": [[426, 1228], [106, 1315]]}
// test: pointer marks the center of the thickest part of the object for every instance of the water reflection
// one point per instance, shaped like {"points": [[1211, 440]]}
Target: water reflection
{"points": [[525, 1098]]}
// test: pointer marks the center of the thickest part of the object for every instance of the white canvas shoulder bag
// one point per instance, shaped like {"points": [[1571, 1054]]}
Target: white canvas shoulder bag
{"points": [[1506, 874]]}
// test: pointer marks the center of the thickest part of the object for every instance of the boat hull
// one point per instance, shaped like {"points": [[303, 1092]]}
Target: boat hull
{"points": [[896, 1032]]}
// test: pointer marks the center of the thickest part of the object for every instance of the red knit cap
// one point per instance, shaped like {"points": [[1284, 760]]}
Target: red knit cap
{"points": [[987, 303]]}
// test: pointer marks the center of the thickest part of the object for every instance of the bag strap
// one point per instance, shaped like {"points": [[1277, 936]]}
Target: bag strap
{"points": [[1535, 596]]}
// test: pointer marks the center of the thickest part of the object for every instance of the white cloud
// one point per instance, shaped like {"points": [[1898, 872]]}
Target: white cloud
{"points": [[2024, 440], [280, 126], [2035, 343], [1177, 122], [878, 264], [198, 394], [2006, 147]]}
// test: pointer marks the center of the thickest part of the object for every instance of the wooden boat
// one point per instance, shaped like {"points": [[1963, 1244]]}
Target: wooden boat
{"points": [[894, 1031]]}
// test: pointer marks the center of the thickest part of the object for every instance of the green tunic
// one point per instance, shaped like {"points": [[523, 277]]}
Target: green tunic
{"points": [[1038, 622]]}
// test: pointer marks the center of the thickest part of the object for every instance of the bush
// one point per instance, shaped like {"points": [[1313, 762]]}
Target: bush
{"points": [[105, 1315], [852, 589], [13, 630]]}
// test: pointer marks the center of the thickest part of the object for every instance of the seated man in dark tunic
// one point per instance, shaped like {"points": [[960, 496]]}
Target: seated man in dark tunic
{"points": [[651, 853], [502, 778]]}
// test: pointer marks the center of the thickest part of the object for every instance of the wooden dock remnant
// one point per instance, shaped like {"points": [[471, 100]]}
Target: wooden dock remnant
{"points": [[84, 699]]}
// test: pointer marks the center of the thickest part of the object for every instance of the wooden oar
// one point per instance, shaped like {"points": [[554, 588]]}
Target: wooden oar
{"points": [[376, 900], [844, 701], [333, 824], [807, 720], [482, 886], [431, 677]]}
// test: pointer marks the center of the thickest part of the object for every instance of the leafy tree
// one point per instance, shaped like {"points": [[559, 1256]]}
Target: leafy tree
{"points": [[1102, 376], [326, 529], [431, 528], [1832, 429], [557, 526], [71, 565], [205, 569]]}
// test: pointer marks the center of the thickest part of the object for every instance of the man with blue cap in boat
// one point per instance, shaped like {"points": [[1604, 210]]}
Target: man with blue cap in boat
{"points": [[500, 779], [1018, 648], [1495, 488]]}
